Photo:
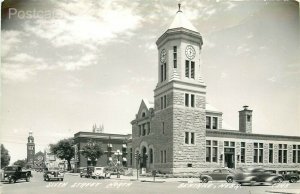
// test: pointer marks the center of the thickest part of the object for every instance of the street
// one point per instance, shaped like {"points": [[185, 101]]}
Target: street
{"points": [[73, 184]]}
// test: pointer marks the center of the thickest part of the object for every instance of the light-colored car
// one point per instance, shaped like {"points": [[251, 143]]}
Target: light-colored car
{"points": [[98, 172]]}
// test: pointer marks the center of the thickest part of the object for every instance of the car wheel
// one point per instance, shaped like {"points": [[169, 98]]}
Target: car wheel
{"points": [[293, 180], [204, 179], [12, 180], [229, 179], [279, 180]]}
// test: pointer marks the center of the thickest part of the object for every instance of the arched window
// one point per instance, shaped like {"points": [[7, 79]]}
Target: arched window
{"points": [[143, 114], [151, 156]]}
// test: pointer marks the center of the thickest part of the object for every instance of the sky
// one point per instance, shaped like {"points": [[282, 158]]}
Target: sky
{"points": [[68, 64]]}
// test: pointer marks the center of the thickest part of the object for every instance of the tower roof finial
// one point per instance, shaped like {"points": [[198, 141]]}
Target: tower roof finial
{"points": [[179, 6]]}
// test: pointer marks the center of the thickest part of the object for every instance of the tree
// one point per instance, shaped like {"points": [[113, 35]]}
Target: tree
{"points": [[5, 157], [93, 151], [21, 163], [64, 150]]}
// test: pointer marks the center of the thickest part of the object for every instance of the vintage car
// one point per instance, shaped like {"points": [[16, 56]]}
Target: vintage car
{"points": [[97, 172], [257, 175], [290, 175], [217, 174], [53, 174], [14, 173], [83, 172]]}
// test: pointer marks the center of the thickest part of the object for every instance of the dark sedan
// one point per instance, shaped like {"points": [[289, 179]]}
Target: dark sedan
{"points": [[254, 176], [217, 174]]}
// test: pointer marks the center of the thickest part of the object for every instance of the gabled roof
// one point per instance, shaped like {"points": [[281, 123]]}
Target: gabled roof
{"points": [[148, 103], [180, 21]]}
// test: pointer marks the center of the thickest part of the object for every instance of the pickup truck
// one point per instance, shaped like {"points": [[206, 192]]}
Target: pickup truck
{"points": [[14, 173]]}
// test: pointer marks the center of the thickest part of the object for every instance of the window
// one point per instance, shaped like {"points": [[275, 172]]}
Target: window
{"points": [[189, 165], [270, 153], [151, 156], [215, 151], [165, 71], [208, 151], [226, 143], [192, 138], [130, 150], [298, 146], [144, 129], [149, 129], [161, 73], [208, 122], [215, 123], [187, 69], [163, 127], [193, 69], [175, 56], [190, 69], [186, 139], [165, 156], [186, 99], [282, 153], [140, 130], [243, 148], [248, 118], [161, 156], [296, 153], [192, 100], [261, 151], [258, 152], [163, 102]]}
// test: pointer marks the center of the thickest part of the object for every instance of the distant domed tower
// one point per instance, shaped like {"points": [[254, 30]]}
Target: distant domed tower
{"points": [[30, 150]]}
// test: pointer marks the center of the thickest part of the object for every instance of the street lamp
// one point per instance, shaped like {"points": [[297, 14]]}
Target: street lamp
{"points": [[118, 154]]}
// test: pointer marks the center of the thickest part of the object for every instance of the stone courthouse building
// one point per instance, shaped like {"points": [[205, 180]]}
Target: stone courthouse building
{"points": [[180, 132]]}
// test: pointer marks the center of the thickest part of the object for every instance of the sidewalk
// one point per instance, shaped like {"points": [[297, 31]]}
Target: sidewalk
{"points": [[157, 179], [285, 191]]}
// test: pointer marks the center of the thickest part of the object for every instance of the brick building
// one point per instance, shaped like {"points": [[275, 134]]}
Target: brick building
{"points": [[110, 144], [180, 132]]}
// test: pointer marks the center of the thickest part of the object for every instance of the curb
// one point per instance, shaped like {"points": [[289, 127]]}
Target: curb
{"points": [[285, 191]]}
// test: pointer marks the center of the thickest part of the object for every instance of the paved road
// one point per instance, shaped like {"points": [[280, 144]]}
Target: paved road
{"points": [[76, 185]]}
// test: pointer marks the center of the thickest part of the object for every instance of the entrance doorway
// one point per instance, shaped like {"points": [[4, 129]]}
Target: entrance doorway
{"points": [[144, 158], [229, 157]]}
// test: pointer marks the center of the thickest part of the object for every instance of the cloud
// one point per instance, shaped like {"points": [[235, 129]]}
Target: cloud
{"points": [[9, 40], [85, 23], [71, 63], [21, 66]]}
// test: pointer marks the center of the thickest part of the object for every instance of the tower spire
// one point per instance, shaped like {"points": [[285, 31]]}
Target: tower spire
{"points": [[179, 6]]}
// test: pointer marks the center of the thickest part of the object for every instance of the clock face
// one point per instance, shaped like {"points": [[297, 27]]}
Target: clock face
{"points": [[40, 158], [190, 52], [163, 55]]}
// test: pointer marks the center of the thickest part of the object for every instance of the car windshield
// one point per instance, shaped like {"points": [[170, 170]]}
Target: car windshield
{"points": [[53, 169], [8, 168]]}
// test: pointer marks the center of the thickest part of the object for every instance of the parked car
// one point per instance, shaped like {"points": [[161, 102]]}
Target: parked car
{"points": [[290, 175], [257, 176], [14, 173], [97, 172], [53, 174], [83, 172], [217, 174]]}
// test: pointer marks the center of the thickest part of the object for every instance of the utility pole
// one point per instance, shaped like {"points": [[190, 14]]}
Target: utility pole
{"points": [[137, 157]]}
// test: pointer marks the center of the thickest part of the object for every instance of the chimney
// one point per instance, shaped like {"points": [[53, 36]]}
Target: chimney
{"points": [[245, 120]]}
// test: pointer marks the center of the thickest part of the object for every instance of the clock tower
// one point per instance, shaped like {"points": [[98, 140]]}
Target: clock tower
{"points": [[180, 97], [30, 150]]}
